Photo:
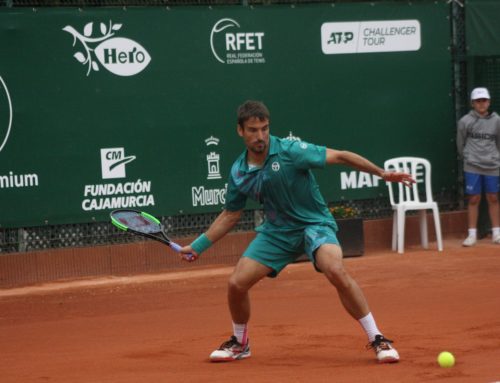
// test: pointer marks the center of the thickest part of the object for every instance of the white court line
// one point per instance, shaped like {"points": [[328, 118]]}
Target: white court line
{"points": [[113, 280]]}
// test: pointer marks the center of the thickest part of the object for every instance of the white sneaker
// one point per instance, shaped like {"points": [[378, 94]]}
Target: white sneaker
{"points": [[496, 239], [231, 350], [384, 350], [469, 241]]}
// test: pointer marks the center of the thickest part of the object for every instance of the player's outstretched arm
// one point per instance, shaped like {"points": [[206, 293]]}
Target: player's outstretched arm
{"points": [[222, 225], [358, 162]]}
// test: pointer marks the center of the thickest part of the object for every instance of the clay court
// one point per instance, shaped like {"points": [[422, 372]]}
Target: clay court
{"points": [[162, 327]]}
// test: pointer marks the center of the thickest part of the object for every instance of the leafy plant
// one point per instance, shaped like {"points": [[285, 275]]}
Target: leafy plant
{"points": [[342, 211]]}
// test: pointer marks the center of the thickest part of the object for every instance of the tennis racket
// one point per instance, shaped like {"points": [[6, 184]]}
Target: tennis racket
{"points": [[144, 224]]}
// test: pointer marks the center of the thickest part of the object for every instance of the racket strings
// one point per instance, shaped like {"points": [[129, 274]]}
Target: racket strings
{"points": [[137, 222]]}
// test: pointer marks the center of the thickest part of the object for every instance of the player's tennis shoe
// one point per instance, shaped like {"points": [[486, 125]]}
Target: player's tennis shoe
{"points": [[496, 239], [469, 241], [384, 350], [231, 350]]}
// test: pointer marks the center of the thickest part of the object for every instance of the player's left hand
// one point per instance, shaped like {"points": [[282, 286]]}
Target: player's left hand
{"points": [[404, 178]]}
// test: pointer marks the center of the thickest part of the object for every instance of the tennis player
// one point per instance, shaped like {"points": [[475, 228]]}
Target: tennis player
{"points": [[277, 173]]}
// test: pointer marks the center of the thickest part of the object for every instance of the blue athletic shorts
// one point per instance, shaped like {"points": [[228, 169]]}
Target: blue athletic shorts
{"points": [[277, 249], [476, 183]]}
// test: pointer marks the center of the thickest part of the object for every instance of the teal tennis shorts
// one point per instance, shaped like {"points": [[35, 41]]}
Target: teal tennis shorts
{"points": [[277, 249]]}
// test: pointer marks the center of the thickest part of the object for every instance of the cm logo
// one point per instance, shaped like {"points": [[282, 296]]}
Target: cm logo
{"points": [[5, 113], [113, 161]]}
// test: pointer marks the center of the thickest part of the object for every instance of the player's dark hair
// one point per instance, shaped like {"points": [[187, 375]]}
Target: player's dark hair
{"points": [[250, 109]]}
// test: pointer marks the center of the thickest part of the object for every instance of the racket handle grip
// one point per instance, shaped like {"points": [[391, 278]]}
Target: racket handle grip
{"points": [[175, 246], [178, 247]]}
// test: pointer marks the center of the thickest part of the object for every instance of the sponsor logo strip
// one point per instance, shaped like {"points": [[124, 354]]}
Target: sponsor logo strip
{"points": [[370, 36]]}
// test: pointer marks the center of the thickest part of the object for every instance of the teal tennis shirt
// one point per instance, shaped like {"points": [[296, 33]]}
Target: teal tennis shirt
{"points": [[284, 185]]}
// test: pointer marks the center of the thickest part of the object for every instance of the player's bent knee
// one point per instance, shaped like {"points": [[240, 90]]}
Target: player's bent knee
{"points": [[237, 286], [328, 255], [337, 275], [333, 268]]}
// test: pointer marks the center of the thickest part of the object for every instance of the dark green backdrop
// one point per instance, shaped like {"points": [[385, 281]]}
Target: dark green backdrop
{"points": [[380, 105]]}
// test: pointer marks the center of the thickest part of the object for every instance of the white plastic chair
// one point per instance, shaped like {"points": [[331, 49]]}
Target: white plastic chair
{"points": [[408, 198]]}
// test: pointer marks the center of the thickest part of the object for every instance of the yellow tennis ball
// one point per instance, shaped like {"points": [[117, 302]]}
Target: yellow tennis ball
{"points": [[446, 359]]}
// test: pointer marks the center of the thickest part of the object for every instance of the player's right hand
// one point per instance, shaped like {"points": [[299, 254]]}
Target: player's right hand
{"points": [[188, 254]]}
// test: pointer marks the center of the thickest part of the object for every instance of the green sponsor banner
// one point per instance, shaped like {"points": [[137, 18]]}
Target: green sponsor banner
{"points": [[103, 108]]}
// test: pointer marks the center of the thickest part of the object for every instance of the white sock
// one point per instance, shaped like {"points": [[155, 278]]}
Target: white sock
{"points": [[495, 231], [473, 233], [370, 327], [240, 331]]}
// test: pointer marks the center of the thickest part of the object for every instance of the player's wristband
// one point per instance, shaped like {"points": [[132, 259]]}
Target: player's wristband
{"points": [[201, 244]]}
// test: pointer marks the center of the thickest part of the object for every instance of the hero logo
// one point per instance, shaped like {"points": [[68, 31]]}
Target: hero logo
{"points": [[119, 55], [113, 162], [5, 114], [236, 47]]}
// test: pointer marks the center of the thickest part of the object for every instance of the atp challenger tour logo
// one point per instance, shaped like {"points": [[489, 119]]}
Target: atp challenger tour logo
{"points": [[205, 196], [119, 55], [118, 195], [233, 45], [370, 36]]}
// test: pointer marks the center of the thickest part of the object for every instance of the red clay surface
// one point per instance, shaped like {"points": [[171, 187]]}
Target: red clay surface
{"points": [[162, 328]]}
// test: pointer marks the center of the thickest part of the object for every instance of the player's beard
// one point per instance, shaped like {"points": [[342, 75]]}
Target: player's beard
{"points": [[259, 147]]}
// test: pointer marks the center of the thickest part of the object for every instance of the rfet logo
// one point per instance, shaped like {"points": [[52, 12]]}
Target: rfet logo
{"points": [[5, 113], [119, 55], [231, 44], [113, 161]]}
